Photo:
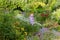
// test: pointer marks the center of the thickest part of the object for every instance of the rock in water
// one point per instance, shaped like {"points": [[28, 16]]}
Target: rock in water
{"points": [[31, 18]]}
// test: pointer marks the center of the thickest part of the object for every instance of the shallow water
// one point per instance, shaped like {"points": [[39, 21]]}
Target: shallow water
{"points": [[42, 31]]}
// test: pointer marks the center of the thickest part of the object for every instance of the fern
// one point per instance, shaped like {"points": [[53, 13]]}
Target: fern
{"points": [[57, 3], [50, 4], [56, 14]]}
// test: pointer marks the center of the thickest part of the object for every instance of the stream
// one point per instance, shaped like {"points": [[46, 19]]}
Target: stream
{"points": [[42, 31]]}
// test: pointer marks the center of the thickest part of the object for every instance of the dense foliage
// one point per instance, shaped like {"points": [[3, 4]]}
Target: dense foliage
{"points": [[17, 25]]}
